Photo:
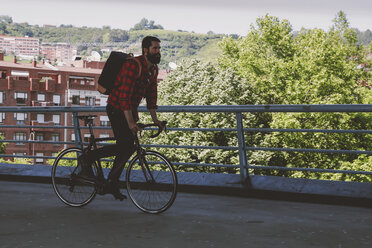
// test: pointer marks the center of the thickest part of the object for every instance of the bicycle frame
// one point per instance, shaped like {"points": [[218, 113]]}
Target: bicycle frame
{"points": [[147, 190], [88, 121]]}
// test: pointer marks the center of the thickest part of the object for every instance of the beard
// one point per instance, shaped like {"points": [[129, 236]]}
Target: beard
{"points": [[154, 58]]}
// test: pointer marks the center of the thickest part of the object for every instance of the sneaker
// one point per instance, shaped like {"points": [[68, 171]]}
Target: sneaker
{"points": [[113, 188]]}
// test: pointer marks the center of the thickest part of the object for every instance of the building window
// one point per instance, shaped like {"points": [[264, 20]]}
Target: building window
{"points": [[20, 75], [20, 97], [76, 100], [2, 117], [39, 136], [19, 154], [90, 101], [103, 101], [56, 119], [41, 97], [57, 100], [20, 137], [20, 118], [2, 97], [104, 121], [39, 160], [104, 135], [2, 74], [55, 138], [40, 118], [86, 137]]}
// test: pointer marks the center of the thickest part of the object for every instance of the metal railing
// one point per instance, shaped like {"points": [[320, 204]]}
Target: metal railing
{"points": [[242, 147]]}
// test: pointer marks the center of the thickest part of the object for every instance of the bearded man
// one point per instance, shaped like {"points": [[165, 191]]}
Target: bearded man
{"points": [[136, 80]]}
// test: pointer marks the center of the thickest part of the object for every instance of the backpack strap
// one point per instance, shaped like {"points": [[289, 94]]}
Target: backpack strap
{"points": [[139, 66]]}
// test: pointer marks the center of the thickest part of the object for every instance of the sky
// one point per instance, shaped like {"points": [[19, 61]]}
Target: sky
{"points": [[200, 16]]}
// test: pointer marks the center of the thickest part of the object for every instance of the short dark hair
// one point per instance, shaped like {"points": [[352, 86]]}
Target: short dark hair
{"points": [[147, 42]]}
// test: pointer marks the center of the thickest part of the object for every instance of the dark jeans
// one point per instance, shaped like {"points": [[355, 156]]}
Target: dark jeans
{"points": [[124, 146]]}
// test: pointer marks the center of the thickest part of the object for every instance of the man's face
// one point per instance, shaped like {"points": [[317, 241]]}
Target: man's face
{"points": [[153, 53]]}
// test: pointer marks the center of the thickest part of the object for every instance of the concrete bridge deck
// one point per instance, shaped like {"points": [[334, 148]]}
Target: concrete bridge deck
{"points": [[32, 216]]}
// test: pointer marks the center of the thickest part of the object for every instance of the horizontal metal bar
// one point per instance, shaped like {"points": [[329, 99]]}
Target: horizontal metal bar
{"points": [[209, 129], [201, 129], [268, 130], [28, 126], [37, 142], [208, 109], [194, 147], [306, 150], [25, 156], [308, 169], [205, 165], [305, 130]]}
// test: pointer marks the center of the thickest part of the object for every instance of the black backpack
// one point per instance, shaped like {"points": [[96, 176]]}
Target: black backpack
{"points": [[115, 61]]}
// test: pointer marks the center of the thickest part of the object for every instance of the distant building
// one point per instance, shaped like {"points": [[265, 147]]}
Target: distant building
{"points": [[23, 46], [41, 85], [58, 51]]}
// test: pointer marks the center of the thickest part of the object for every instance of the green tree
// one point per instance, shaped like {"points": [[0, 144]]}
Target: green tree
{"points": [[2, 145], [314, 67], [198, 83], [6, 19], [145, 24]]}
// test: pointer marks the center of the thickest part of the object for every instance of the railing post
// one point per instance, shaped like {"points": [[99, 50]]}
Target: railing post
{"points": [[78, 139], [242, 151]]}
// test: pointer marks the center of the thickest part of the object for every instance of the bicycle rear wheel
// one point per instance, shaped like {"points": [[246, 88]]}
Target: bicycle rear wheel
{"points": [[69, 188], [152, 184]]}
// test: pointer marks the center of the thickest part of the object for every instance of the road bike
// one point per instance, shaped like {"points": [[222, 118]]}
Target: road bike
{"points": [[150, 179]]}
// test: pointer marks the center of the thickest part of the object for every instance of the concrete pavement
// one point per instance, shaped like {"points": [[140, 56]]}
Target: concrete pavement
{"points": [[31, 215]]}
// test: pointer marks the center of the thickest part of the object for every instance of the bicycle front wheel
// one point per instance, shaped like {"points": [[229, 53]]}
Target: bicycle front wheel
{"points": [[69, 188], [151, 183]]}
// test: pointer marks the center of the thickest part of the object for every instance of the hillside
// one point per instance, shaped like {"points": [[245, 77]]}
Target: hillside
{"points": [[175, 44]]}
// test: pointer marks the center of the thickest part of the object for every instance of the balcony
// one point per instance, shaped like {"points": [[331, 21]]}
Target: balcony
{"points": [[37, 126]]}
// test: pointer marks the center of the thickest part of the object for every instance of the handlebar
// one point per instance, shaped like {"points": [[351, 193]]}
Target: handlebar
{"points": [[160, 129]]}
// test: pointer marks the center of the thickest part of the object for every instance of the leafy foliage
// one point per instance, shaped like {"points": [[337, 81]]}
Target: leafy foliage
{"points": [[145, 24], [2, 145], [271, 66]]}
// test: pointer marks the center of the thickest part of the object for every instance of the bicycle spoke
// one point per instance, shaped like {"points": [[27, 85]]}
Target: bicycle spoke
{"points": [[69, 188], [152, 186]]}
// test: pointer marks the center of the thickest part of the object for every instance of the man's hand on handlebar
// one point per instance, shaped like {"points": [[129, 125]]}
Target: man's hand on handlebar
{"points": [[160, 124], [134, 127]]}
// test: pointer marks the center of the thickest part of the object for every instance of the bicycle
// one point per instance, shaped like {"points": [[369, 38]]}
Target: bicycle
{"points": [[150, 179]]}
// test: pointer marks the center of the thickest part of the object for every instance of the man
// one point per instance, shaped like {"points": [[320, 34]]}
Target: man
{"points": [[121, 108]]}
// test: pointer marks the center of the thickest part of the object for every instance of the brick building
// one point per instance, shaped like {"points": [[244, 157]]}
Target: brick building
{"points": [[25, 46], [58, 51], [42, 85]]}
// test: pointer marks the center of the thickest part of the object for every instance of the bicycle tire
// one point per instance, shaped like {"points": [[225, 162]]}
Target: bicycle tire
{"points": [[152, 197], [71, 191]]}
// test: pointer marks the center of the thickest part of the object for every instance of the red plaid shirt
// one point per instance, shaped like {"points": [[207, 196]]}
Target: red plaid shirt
{"points": [[129, 91]]}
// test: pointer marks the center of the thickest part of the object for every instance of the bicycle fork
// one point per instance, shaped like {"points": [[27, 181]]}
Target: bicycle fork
{"points": [[145, 167]]}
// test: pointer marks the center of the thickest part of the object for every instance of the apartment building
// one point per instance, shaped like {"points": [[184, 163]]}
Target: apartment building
{"points": [[44, 85], [24, 46], [58, 51]]}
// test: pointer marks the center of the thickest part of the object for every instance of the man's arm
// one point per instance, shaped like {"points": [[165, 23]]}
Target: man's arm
{"points": [[154, 117], [131, 123]]}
